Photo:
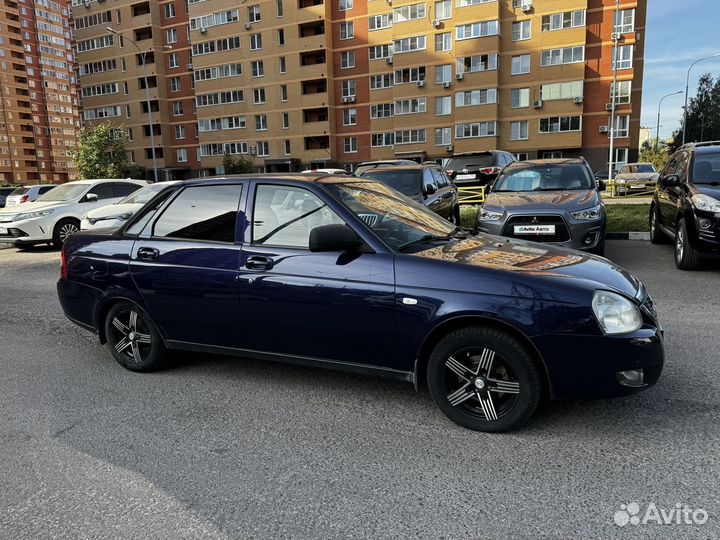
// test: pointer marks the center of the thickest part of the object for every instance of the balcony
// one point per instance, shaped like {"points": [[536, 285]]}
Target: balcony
{"points": [[311, 29], [143, 33], [315, 115], [310, 10], [320, 142]]}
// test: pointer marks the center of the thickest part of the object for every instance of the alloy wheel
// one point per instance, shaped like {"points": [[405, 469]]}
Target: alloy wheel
{"points": [[653, 223], [481, 383], [67, 229], [131, 335], [680, 244]]}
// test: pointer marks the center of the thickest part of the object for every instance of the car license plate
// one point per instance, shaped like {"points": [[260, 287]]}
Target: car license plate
{"points": [[465, 177], [3, 230], [534, 229]]}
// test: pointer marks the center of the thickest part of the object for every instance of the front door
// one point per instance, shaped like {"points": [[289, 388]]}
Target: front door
{"points": [[185, 266], [334, 306], [668, 195]]}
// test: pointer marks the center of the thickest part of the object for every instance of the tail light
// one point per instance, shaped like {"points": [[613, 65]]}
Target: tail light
{"points": [[63, 265], [490, 170], [450, 172], [24, 198]]}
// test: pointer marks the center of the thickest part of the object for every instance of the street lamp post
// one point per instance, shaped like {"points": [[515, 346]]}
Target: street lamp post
{"points": [[613, 91], [657, 129], [143, 55], [687, 87]]}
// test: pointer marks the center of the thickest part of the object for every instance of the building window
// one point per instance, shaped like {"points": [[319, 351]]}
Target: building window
{"points": [[621, 157], [443, 73], [261, 122], [475, 97], [347, 30], [477, 30], [567, 55], [378, 22], [255, 42], [381, 110], [171, 35], [263, 148], [443, 136], [345, 5], [283, 65], [443, 9], [349, 117], [624, 57], [180, 132], [622, 126], [520, 64], [382, 139], [351, 145], [443, 42], [254, 14], [347, 59], [480, 62], [408, 13], [409, 44], [552, 154], [410, 106], [443, 105], [559, 124], [286, 120], [565, 90], [376, 52], [381, 81], [410, 136], [170, 11], [281, 37], [257, 68], [522, 156], [475, 129], [519, 130], [279, 8], [174, 60], [182, 155], [178, 108], [175, 85], [561, 21], [625, 21], [258, 96], [623, 93], [521, 30], [283, 92], [519, 98], [287, 148], [348, 88]]}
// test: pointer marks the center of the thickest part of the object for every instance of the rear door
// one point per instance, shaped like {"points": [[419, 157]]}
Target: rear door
{"points": [[668, 195], [431, 195], [185, 265], [445, 193]]}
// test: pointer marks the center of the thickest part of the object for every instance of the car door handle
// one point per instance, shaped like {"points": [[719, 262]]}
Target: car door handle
{"points": [[259, 262], [148, 253]]}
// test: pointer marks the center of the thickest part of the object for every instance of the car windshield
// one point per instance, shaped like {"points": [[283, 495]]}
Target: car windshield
{"points": [[646, 167], [406, 182], [143, 195], [395, 218], [707, 169], [469, 162], [65, 192], [545, 178]]}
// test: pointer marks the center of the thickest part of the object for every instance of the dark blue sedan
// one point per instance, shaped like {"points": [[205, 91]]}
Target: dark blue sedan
{"points": [[349, 274]]}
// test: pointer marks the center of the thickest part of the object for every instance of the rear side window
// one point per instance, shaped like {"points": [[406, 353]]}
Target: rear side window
{"points": [[103, 191], [20, 191], [45, 189], [204, 213], [470, 162], [123, 190], [407, 182], [440, 179]]}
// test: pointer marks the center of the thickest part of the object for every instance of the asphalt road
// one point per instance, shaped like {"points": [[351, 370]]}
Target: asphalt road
{"points": [[225, 448]]}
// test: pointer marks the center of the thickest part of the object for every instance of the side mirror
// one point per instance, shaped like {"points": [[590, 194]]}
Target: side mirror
{"points": [[430, 189], [333, 238], [671, 180], [91, 197], [602, 186]]}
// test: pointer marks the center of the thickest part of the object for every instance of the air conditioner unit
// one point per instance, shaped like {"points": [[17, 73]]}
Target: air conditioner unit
{"points": [[578, 99], [189, 66], [608, 106], [389, 60], [253, 150], [527, 7], [345, 99], [388, 2], [248, 26], [351, 99], [203, 30], [87, 3], [449, 148], [537, 104], [616, 36], [436, 23], [420, 84], [446, 84], [603, 129], [459, 76]]}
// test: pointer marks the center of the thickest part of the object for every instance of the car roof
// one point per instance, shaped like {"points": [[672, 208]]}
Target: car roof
{"points": [[548, 162], [294, 177], [478, 153], [418, 167]]}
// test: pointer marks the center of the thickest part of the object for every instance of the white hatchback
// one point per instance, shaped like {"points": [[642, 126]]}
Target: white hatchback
{"points": [[57, 214]]}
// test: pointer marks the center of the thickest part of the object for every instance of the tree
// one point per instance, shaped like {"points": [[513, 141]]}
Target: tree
{"points": [[239, 165], [101, 153], [657, 154], [703, 114]]}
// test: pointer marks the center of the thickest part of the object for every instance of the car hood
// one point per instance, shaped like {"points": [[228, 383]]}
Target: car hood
{"points": [[31, 207], [113, 210], [543, 200], [710, 191], [531, 261]]}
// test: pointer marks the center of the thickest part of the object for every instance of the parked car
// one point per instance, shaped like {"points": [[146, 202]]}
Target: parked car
{"points": [[325, 171], [547, 201], [25, 194], [603, 175], [365, 165], [427, 184], [113, 216], [686, 204], [4, 192], [474, 169], [57, 214], [353, 275], [636, 177]]}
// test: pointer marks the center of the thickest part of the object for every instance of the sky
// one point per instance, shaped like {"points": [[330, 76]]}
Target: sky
{"points": [[678, 33]]}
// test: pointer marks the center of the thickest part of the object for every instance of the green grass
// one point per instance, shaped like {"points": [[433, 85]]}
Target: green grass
{"points": [[621, 217]]}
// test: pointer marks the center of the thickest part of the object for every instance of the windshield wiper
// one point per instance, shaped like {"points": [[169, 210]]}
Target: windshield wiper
{"points": [[458, 233]]}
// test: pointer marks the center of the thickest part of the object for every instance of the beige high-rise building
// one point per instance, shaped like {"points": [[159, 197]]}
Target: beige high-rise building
{"points": [[39, 101]]}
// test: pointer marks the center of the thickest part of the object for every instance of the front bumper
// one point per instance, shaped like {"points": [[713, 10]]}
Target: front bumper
{"points": [[26, 231], [588, 366], [583, 235]]}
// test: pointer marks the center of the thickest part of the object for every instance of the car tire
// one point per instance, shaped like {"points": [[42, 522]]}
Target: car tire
{"points": [[63, 229], [686, 257], [599, 249], [656, 234], [455, 216], [484, 379], [133, 338]]}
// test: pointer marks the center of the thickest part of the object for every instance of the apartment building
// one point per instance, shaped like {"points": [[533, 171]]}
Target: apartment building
{"points": [[298, 83], [39, 101], [135, 71]]}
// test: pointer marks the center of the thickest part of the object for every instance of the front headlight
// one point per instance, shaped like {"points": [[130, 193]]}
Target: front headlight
{"points": [[706, 203], [620, 181], [616, 314], [31, 215], [488, 215], [588, 214]]}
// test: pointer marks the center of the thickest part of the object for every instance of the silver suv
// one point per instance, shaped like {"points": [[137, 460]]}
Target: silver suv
{"points": [[547, 201]]}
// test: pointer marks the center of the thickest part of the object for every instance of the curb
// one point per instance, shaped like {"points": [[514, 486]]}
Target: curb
{"points": [[628, 236]]}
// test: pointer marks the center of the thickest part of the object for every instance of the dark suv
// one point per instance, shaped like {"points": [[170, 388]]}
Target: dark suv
{"points": [[4, 193], [427, 184], [474, 169], [686, 204]]}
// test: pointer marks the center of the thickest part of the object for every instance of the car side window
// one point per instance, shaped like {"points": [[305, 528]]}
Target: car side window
{"points": [[44, 189], [682, 165], [440, 179], [284, 216], [204, 213], [123, 190], [671, 166], [429, 184], [103, 191]]}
